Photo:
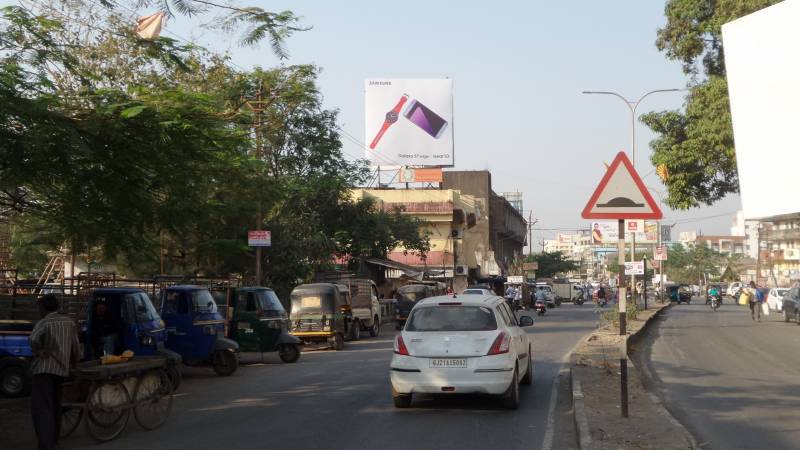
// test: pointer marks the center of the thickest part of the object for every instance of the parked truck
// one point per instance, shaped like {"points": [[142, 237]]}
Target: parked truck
{"points": [[365, 306]]}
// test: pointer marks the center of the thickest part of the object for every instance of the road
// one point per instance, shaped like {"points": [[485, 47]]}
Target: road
{"points": [[341, 400], [731, 381]]}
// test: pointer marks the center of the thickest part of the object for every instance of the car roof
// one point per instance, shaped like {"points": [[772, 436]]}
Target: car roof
{"points": [[467, 300]]}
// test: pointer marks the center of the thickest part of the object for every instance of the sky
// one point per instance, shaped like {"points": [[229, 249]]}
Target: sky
{"points": [[518, 69]]}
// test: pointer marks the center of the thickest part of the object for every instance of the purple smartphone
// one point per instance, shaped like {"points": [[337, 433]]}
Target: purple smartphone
{"points": [[421, 116]]}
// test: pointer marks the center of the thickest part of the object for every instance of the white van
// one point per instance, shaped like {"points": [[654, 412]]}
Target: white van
{"points": [[733, 288]]}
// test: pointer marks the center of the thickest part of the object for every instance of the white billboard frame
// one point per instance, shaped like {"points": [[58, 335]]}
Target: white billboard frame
{"points": [[409, 122]]}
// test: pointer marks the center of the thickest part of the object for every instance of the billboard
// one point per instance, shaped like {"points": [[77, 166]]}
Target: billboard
{"points": [[762, 60], [259, 238], [608, 232], [409, 122]]}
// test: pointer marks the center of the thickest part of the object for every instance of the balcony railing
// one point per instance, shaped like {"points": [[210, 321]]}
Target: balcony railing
{"points": [[783, 235]]}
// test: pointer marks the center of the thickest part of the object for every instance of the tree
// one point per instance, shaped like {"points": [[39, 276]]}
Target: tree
{"points": [[552, 264], [692, 265], [695, 147]]}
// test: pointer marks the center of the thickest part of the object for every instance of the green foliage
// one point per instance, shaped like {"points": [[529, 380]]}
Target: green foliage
{"points": [[135, 147], [552, 264], [696, 145], [690, 265], [611, 316]]}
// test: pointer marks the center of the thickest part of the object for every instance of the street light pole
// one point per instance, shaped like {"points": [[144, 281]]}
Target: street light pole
{"points": [[632, 106]]}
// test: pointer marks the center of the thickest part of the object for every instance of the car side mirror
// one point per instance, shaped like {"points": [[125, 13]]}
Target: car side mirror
{"points": [[526, 321]]}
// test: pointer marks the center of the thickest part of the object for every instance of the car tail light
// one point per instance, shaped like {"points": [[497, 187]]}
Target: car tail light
{"points": [[500, 344], [400, 346]]}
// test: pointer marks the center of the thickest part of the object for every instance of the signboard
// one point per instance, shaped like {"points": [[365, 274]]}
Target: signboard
{"points": [[607, 232], [621, 194], [666, 233], [655, 264], [515, 279], [762, 69], [661, 253], [634, 268], [564, 238], [634, 226], [421, 175], [409, 122], [260, 238], [530, 265]]}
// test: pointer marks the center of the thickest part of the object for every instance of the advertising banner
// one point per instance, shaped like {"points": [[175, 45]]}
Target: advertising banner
{"points": [[260, 238], [634, 268], [607, 232], [409, 122], [420, 175], [661, 253]]}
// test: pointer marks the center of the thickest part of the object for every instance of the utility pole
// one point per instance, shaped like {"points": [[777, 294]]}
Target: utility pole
{"points": [[623, 307], [257, 105], [530, 234]]}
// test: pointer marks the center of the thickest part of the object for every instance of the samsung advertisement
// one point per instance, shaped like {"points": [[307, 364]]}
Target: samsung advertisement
{"points": [[409, 122]]}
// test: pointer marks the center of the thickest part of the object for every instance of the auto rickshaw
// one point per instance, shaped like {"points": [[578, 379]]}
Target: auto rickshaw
{"points": [[320, 313], [196, 330], [258, 323], [407, 296], [119, 319], [679, 293]]}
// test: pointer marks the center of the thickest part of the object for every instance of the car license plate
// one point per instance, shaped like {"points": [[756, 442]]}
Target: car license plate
{"points": [[448, 363]]}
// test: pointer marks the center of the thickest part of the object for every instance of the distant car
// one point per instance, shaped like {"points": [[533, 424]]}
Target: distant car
{"points": [[733, 289], [775, 298], [791, 305], [477, 292], [468, 345]]}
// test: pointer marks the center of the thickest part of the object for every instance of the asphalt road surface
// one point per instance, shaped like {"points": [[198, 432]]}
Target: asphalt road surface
{"points": [[341, 400], [734, 383]]}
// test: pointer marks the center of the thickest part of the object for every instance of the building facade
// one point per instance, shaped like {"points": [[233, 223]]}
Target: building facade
{"points": [[500, 230], [779, 261]]}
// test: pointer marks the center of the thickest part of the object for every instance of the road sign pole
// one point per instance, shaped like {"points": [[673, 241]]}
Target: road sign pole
{"points": [[622, 305]]}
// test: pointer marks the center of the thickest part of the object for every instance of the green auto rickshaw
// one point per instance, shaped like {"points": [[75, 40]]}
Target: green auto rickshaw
{"points": [[321, 313], [259, 323]]}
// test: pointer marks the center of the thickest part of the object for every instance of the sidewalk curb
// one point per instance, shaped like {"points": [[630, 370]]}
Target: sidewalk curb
{"points": [[578, 405], [579, 414], [645, 371]]}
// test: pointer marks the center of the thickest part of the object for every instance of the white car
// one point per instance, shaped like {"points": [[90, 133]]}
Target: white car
{"points": [[475, 291], [775, 298], [471, 344], [733, 288]]}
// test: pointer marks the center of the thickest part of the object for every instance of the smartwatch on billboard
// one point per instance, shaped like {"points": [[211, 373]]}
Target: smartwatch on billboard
{"points": [[391, 117]]}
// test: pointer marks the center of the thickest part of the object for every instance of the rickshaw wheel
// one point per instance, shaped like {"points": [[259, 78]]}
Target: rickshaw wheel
{"points": [[71, 409], [224, 362], [107, 410], [153, 399], [289, 353], [338, 342]]}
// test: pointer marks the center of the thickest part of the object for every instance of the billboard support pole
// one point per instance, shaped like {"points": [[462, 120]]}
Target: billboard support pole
{"points": [[622, 305]]}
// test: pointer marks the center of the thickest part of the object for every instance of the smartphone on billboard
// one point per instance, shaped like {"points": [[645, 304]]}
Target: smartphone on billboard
{"points": [[421, 116]]}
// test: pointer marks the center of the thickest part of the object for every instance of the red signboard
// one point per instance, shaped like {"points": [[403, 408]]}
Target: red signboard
{"points": [[621, 194], [259, 238]]}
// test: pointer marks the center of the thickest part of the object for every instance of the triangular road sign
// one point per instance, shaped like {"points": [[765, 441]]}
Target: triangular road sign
{"points": [[621, 194]]}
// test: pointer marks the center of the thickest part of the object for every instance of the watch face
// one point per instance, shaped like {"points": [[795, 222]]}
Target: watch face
{"points": [[391, 117]]}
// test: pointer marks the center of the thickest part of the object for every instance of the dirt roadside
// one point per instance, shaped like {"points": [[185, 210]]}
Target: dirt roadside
{"points": [[595, 364]]}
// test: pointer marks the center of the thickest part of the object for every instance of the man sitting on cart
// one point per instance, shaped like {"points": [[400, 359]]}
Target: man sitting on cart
{"points": [[54, 341], [104, 330]]}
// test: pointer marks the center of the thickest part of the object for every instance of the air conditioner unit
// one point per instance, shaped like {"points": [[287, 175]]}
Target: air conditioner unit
{"points": [[462, 270], [457, 233]]}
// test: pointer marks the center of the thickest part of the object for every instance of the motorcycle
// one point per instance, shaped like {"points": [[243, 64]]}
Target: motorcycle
{"points": [[714, 303], [540, 307]]}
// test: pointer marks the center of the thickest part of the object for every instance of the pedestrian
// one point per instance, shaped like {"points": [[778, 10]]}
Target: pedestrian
{"points": [[55, 346], [751, 294], [639, 292]]}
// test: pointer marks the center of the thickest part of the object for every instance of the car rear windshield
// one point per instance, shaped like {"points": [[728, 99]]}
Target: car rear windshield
{"points": [[452, 318]]}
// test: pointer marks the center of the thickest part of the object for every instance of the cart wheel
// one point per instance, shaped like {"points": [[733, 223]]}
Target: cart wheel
{"points": [[153, 399], [174, 375], [71, 409], [107, 410], [224, 362]]}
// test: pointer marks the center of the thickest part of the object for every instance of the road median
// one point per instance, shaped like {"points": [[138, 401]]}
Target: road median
{"points": [[595, 380]]}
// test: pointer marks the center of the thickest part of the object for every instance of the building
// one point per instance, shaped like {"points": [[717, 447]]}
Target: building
{"points": [[500, 231], [748, 229], [447, 218], [727, 245], [779, 259]]}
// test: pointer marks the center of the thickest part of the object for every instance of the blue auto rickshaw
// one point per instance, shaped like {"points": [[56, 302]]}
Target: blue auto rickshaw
{"points": [[120, 319], [196, 329], [15, 357]]}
